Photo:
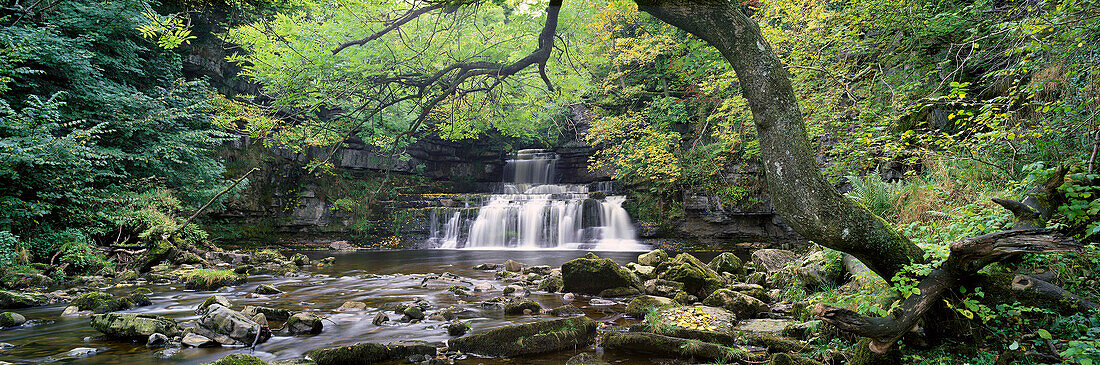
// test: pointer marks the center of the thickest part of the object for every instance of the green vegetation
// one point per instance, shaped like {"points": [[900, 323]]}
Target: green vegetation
{"points": [[202, 279]]}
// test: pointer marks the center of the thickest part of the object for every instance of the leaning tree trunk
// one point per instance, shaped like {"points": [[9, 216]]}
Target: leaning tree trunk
{"points": [[802, 196]]}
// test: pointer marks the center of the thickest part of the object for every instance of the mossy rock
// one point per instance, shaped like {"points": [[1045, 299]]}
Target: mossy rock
{"points": [[727, 262], [529, 338], [774, 343], [565, 311], [133, 325], [214, 299], [708, 324], [623, 291], [304, 324], [160, 252], [743, 305], [594, 275], [519, 307], [586, 358], [652, 258], [551, 284], [235, 325], [239, 359], [696, 276], [299, 259], [641, 305], [666, 346], [864, 356], [99, 302], [369, 353], [11, 319], [203, 279], [791, 359], [274, 314], [16, 300]]}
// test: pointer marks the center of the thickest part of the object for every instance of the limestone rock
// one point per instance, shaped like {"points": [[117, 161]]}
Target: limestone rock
{"points": [[233, 324], [727, 262], [352, 306], [771, 260], [743, 305], [652, 258], [194, 340], [529, 338], [133, 325]]}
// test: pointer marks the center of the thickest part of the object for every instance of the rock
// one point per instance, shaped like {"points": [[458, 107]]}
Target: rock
{"points": [[457, 328], [483, 287], [641, 305], [568, 297], [6, 346], [565, 311], [11, 319], [586, 358], [599, 302], [864, 356], [268, 289], [203, 279], [529, 338], [709, 324], [687, 269], [239, 359], [727, 262], [757, 278], [591, 276], [156, 340], [16, 300], [801, 330], [743, 305], [685, 298], [619, 292], [511, 289], [791, 359], [81, 352], [194, 340], [341, 246], [520, 307], [540, 270], [771, 260], [380, 318], [304, 324], [413, 313], [663, 288], [753, 290], [328, 261], [513, 266], [299, 259], [665, 346], [487, 267], [652, 258], [99, 302], [213, 299], [644, 272], [551, 284], [235, 325], [351, 306], [261, 319], [133, 325], [72, 311], [274, 314], [369, 353]]}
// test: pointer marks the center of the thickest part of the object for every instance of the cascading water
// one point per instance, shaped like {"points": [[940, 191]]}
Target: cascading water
{"points": [[532, 213]]}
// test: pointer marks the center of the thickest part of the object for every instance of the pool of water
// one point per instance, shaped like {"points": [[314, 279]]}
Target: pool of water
{"points": [[373, 277]]}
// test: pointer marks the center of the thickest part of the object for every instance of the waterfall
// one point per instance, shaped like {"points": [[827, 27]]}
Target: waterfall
{"points": [[531, 212]]}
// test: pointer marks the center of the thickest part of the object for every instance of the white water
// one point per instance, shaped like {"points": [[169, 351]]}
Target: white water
{"points": [[532, 213]]}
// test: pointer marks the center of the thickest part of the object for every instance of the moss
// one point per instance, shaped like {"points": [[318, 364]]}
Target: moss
{"points": [[661, 345], [530, 338], [368, 353], [593, 275], [864, 356], [239, 359], [622, 291], [10, 299], [641, 305], [551, 284], [790, 359], [565, 311], [520, 306], [133, 325], [11, 319], [727, 262], [99, 302], [203, 279]]}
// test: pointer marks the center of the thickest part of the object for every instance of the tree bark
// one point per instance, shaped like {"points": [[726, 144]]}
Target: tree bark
{"points": [[800, 193]]}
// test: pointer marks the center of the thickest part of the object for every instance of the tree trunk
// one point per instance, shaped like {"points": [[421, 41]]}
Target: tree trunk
{"points": [[800, 193]]}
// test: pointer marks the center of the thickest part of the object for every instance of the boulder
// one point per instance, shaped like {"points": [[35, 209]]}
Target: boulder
{"points": [[412, 313], [352, 306], [522, 307], [708, 324], [727, 262], [11, 319], [274, 314], [235, 325], [565, 311], [641, 305], [380, 318], [513, 266], [99, 302], [304, 324], [752, 290], [487, 267], [771, 260], [687, 269], [133, 325], [203, 279], [743, 305], [16, 300], [483, 287], [666, 346], [458, 328], [593, 275], [194, 340], [552, 284], [586, 358], [652, 258], [791, 359], [541, 270], [624, 291], [239, 359], [369, 353], [529, 338], [268, 289], [156, 340], [299, 259], [644, 272], [663, 288], [213, 299]]}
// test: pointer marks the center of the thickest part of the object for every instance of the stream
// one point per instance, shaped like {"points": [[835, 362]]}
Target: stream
{"points": [[373, 277]]}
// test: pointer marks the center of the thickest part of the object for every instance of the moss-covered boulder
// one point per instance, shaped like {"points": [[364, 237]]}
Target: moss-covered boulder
{"points": [[203, 279], [727, 262], [530, 338], [743, 305], [213, 299], [864, 356], [99, 302], [16, 300], [752, 290], [369, 353], [274, 314], [268, 289], [304, 324], [565, 311], [640, 305], [707, 324], [696, 276], [594, 275], [652, 258], [623, 291], [521, 307], [552, 284], [11, 319], [235, 325], [133, 325], [239, 359], [666, 346], [772, 260]]}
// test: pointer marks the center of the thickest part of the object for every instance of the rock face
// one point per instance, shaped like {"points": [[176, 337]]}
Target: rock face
{"points": [[304, 324], [743, 305], [530, 338], [369, 353], [660, 345], [593, 275], [235, 325], [133, 325], [16, 300]]}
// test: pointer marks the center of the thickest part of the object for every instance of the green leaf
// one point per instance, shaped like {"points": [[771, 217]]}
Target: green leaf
{"points": [[1045, 334]]}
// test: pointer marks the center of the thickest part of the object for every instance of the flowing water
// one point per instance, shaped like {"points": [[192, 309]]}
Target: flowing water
{"points": [[373, 277], [531, 212]]}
